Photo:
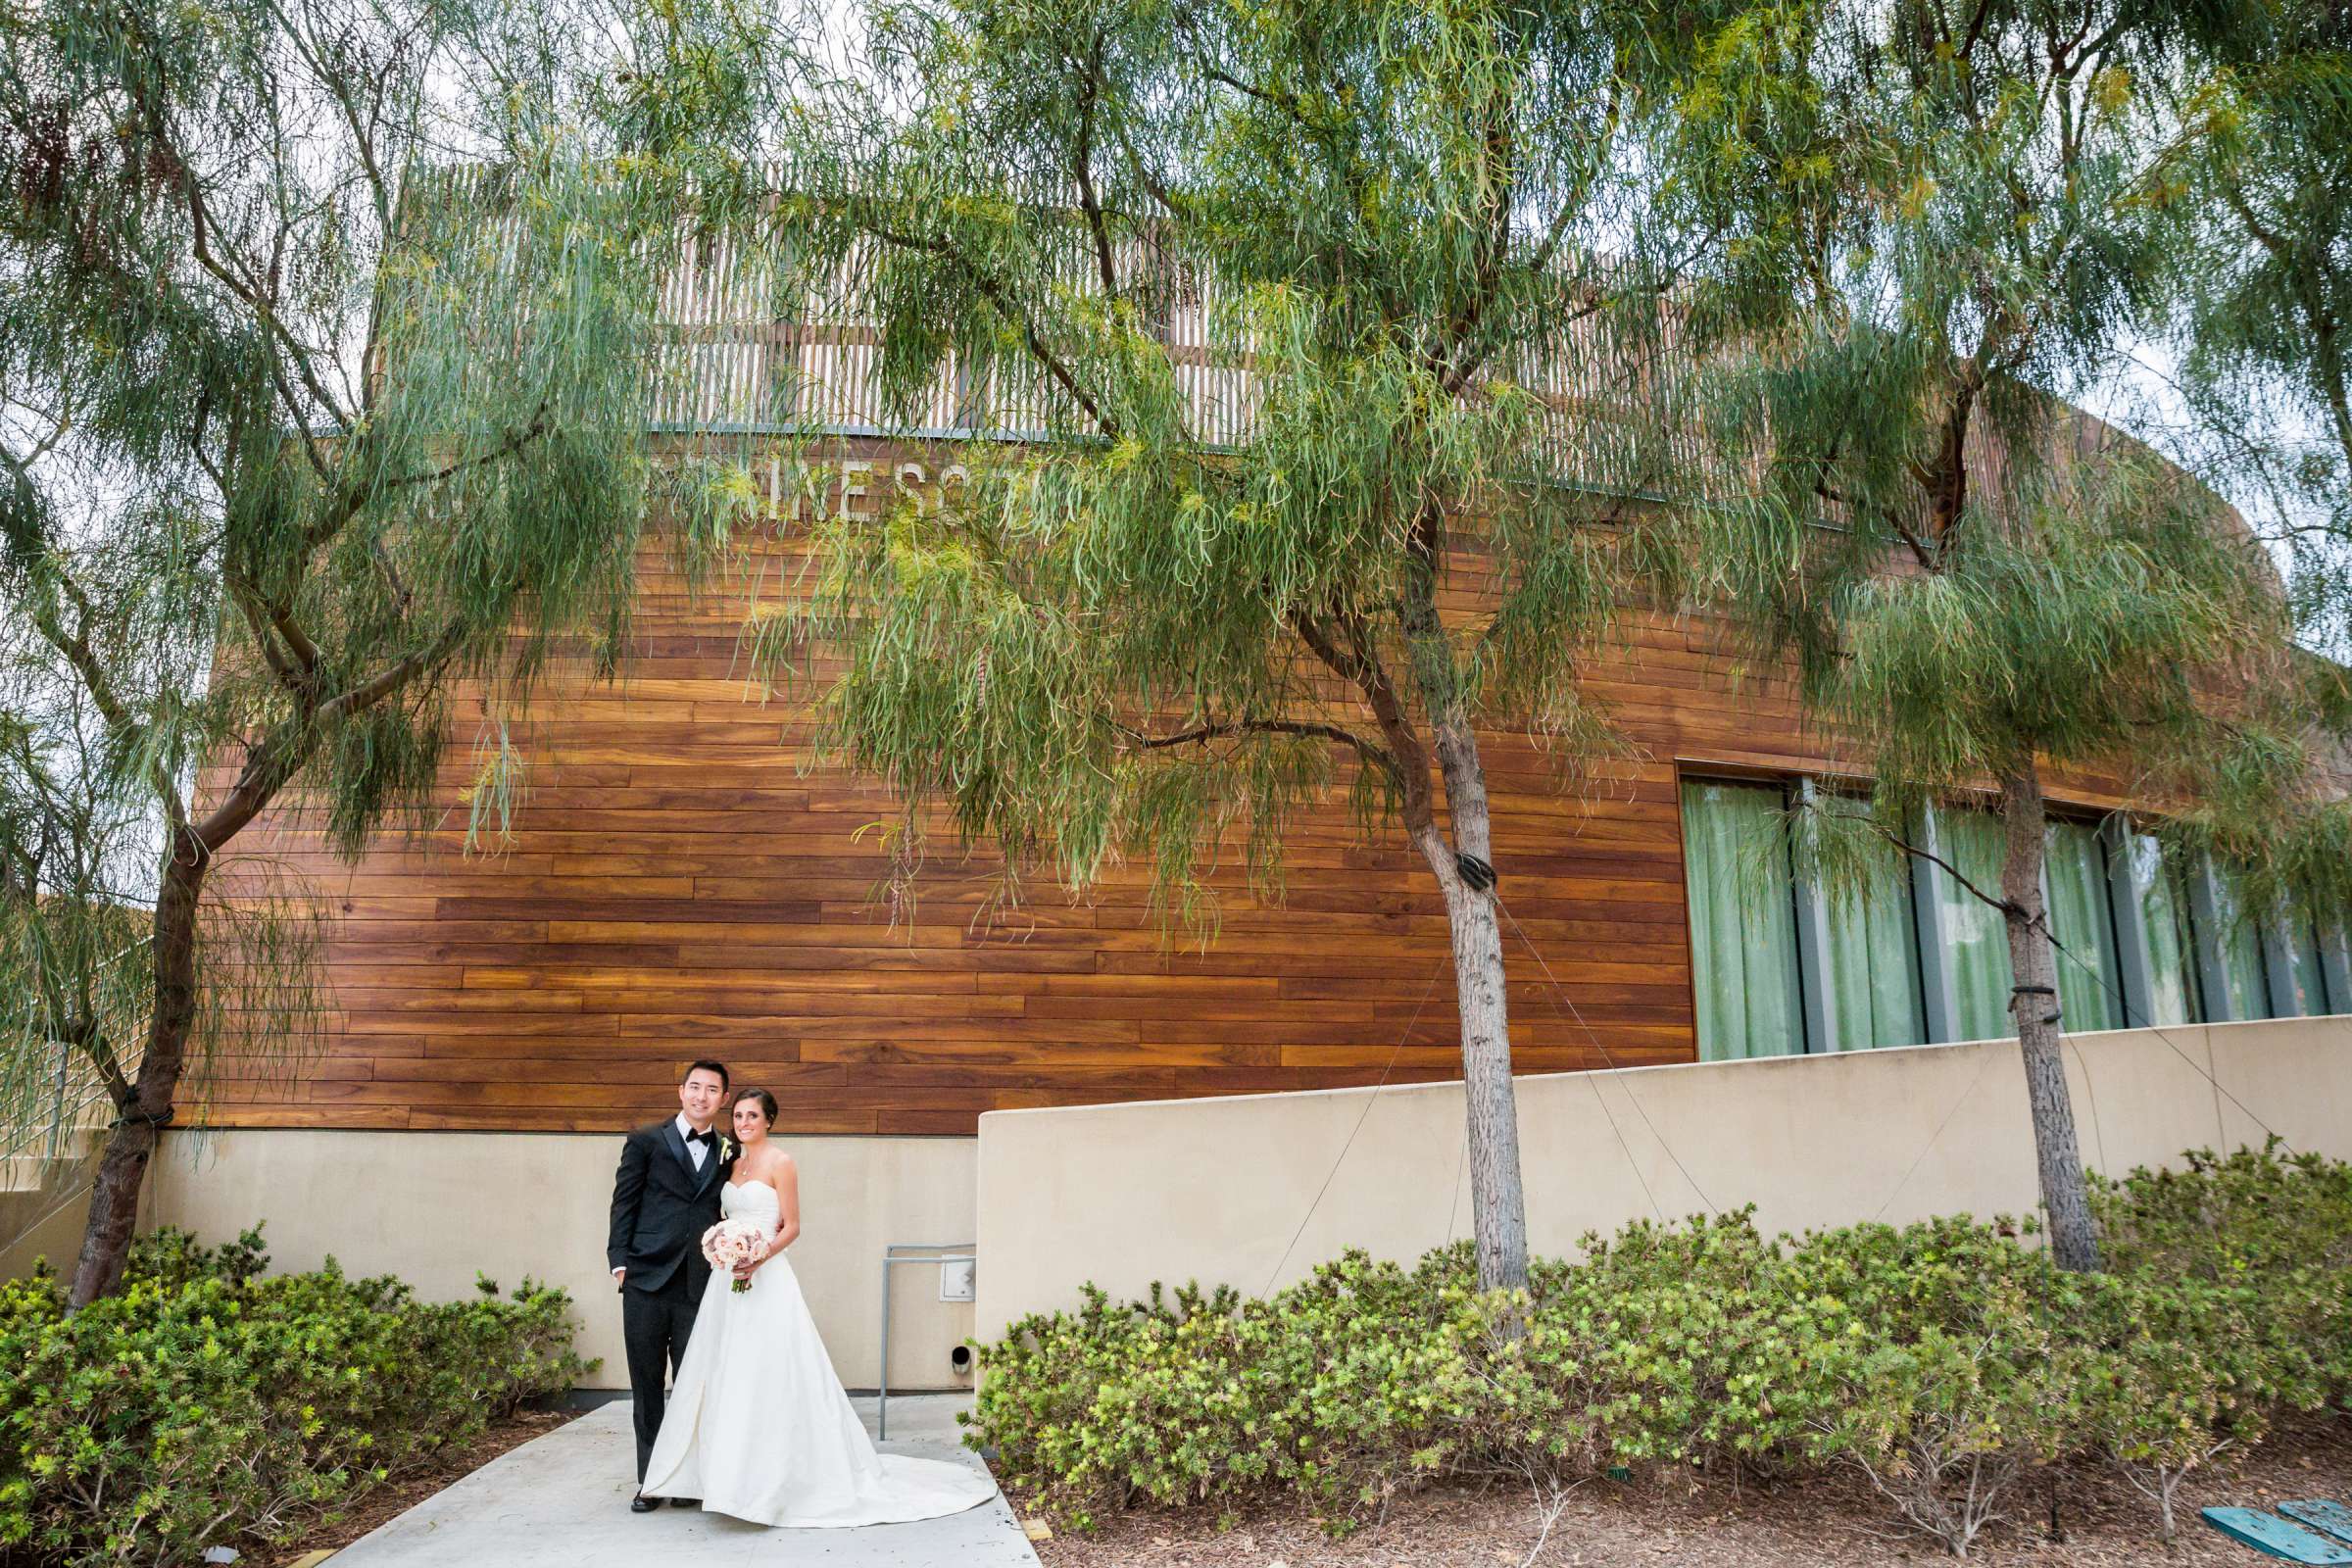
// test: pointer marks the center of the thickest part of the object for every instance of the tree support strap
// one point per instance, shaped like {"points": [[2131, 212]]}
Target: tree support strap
{"points": [[157, 1119], [1474, 871], [2039, 990]]}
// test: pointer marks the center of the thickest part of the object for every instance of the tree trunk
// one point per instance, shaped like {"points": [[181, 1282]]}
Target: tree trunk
{"points": [[130, 1146], [1497, 1195], [2034, 1003]]}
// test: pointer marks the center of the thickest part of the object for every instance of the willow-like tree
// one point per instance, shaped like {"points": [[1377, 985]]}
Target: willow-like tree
{"points": [[1289, 320], [2263, 325], [1950, 218], [299, 431]]}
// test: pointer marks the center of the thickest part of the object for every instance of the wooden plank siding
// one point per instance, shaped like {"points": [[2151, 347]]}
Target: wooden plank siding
{"points": [[677, 886]]}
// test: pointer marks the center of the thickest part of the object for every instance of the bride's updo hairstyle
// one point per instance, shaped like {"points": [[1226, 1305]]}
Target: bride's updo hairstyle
{"points": [[766, 1101]]}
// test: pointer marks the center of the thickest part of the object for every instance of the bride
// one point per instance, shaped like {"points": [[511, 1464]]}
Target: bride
{"points": [[759, 1426]]}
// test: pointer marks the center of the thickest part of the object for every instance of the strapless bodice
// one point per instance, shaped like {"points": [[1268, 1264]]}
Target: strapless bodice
{"points": [[750, 1200]]}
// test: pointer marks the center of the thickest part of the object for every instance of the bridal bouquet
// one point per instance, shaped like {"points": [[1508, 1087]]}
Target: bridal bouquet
{"points": [[731, 1242]]}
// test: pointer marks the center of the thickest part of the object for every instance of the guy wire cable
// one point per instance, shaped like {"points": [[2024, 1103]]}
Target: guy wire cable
{"points": [[1560, 992], [2157, 1031], [1393, 1051], [1557, 994]]}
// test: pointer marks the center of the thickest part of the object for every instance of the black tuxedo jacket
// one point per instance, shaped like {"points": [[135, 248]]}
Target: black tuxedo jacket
{"points": [[661, 1207]]}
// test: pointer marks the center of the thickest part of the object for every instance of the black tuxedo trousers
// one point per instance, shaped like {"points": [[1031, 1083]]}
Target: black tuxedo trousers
{"points": [[655, 1326], [660, 1207]]}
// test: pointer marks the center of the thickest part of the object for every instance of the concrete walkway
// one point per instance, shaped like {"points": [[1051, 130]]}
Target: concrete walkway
{"points": [[565, 1500]]}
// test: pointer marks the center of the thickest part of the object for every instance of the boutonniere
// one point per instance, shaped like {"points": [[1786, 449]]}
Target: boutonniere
{"points": [[726, 1147]]}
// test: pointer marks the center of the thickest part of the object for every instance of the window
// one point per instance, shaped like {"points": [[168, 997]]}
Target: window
{"points": [[2285, 965], [1870, 961], [1975, 939], [2239, 982], [2159, 904], [2305, 976], [1780, 965], [1743, 923], [2077, 892], [2091, 982]]}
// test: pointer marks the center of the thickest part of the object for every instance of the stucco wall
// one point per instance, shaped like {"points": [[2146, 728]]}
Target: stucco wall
{"points": [[1216, 1190], [44, 1227], [435, 1207], [48, 1221]]}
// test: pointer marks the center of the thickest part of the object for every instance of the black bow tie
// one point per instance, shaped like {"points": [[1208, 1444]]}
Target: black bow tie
{"points": [[704, 1139]]}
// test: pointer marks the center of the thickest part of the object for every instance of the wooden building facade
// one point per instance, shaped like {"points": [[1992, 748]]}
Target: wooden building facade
{"points": [[680, 883]]}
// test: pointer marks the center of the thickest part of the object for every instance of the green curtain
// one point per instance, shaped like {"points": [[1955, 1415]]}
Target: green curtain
{"points": [[2303, 964], [1978, 960], [2163, 914], [1742, 923], [2089, 979], [2327, 989], [1872, 956], [2332, 987], [2241, 950]]}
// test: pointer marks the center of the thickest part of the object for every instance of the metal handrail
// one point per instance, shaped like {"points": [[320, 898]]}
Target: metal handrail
{"points": [[41, 1117]]}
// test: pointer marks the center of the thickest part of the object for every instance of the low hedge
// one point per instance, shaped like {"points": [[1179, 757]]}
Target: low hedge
{"points": [[211, 1403], [1942, 1360]]}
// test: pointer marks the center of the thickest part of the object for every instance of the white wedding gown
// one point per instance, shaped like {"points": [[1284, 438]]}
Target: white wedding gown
{"points": [[759, 1426]]}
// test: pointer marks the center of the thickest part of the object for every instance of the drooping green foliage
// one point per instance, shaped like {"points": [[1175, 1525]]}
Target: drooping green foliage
{"points": [[1953, 221], [1950, 231], [327, 333], [2258, 317], [2260, 307], [1302, 304], [1322, 329], [72, 862]]}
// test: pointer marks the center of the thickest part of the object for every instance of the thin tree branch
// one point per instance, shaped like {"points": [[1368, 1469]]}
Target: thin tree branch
{"points": [[270, 765], [1360, 667], [1082, 164], [359, 699], [2004, 906], [94, 1044], [354, 496], [1152, 183], [1377, 756], [996, 295], [257, 626]]}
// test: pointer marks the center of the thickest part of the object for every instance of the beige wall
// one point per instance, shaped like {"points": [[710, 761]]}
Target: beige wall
{"points": [[1215, 1190], [45, 1227], [47, 1222], [435, 1207]]}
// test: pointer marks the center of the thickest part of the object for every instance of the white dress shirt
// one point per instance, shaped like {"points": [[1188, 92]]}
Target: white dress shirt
{"points": [[698, 1153]]}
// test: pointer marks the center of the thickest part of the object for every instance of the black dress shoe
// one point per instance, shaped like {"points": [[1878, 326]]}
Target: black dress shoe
{"points": [[641, 1503], [685, 1502]]}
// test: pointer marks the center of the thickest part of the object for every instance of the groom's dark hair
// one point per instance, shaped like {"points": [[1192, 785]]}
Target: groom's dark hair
{"points": [[693, 1067]]}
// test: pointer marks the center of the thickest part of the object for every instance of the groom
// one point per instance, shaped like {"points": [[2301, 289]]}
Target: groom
{"points": [[664, 1197]]}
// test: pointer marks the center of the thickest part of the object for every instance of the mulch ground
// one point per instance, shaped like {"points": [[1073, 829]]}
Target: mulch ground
{"points": [[397, 1498], [1693, 1518]]}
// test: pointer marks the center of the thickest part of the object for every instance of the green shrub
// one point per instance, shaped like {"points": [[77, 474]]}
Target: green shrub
{"points": [[211, 1403], [1942, 1360], [2266, 1245]]}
